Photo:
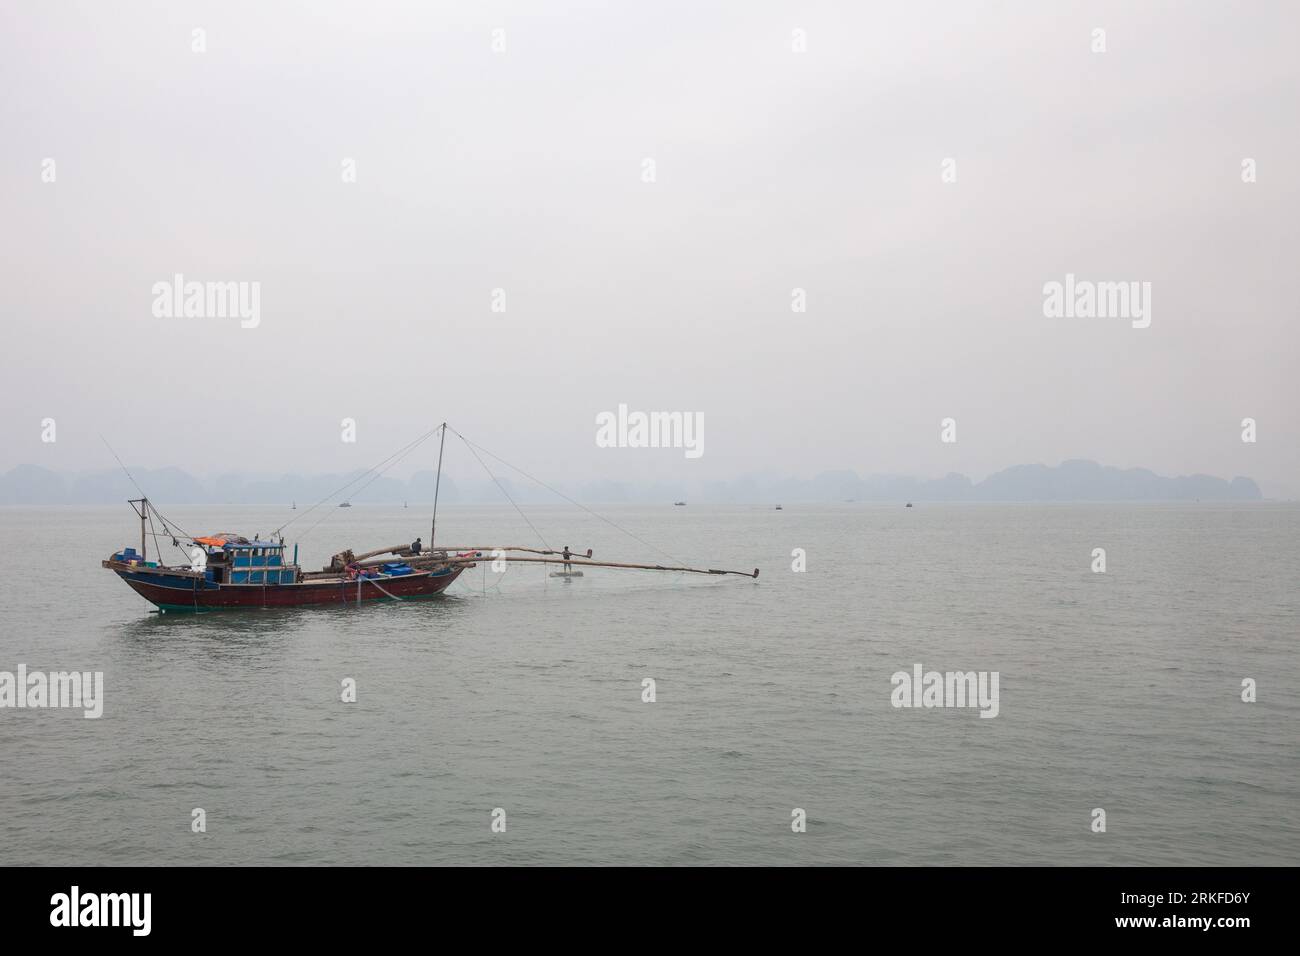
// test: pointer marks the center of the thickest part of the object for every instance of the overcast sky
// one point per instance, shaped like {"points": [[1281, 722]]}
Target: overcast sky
{"points": [[524, 170]]}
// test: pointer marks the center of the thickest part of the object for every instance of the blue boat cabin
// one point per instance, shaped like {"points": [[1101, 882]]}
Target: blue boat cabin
{"points": [[236, 560], [259, 562]]}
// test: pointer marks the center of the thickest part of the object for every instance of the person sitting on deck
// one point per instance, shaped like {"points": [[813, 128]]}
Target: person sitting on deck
{"points": [[415, 546]]}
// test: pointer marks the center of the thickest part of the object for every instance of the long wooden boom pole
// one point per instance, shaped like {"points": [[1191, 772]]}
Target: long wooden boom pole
{"points": [[506, 547], [603, 564], [476, 555], [405, 548]]}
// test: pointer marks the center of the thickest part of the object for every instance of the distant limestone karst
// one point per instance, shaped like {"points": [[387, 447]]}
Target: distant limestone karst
{"points": [[1074, 480]]}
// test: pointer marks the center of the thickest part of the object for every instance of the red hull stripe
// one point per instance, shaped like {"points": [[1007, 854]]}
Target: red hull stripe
{"points": [[293, 595]]}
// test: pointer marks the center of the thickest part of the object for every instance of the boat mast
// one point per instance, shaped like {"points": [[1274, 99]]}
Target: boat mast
{"points": [[437, 482], [143, 512]]}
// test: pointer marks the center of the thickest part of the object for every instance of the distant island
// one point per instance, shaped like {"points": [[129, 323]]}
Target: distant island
{"points": [[1075, 480]]}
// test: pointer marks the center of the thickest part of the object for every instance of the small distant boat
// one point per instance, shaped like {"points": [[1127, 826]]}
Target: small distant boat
{"points": [[909, 504], [295, 506], [404, 504], [778, 507], [566, 574], [345, 504], [679, 504]]}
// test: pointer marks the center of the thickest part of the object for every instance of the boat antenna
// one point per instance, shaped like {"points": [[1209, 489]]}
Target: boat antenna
{"points": [[125, 470], [437, 483]]}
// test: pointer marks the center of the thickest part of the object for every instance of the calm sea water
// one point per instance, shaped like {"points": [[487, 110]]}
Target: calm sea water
{"points": [[1119, 690]]}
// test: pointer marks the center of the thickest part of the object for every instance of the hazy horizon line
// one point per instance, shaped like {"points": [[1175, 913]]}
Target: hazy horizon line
{"points": [[1074, 479]]}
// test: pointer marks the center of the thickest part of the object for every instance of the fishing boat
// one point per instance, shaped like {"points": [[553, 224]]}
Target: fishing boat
{"points": [[345, 504], [227, 570], [230, 571]]}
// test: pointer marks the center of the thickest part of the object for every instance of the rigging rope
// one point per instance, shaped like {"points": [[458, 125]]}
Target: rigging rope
{"points": [[376, 584], [503, 489], [379, 468], [379, 474], [150, 508], [378, 471], [594, 514]]}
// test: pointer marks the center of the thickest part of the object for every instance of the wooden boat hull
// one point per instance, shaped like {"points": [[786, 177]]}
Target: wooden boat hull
{"points": [[180, 592]]}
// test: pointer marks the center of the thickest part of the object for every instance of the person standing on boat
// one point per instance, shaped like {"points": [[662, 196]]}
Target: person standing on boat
{"points": [[568, 568]]}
